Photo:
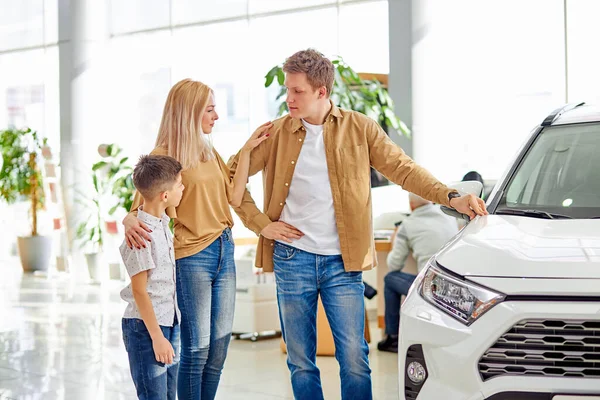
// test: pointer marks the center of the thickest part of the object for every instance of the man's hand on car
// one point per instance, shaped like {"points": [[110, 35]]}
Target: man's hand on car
{"points": [[469, 204]]}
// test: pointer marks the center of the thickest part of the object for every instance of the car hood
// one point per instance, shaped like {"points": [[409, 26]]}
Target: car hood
{"points": [[523, 247]]}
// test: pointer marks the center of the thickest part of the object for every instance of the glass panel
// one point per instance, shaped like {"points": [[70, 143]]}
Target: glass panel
{"points": [[494, 86], [266, 6], [560, 174], [137, 90], [21, 23], [584, 61], [364, 42], [30, 96], [137, 15], [188, 11], [51, 21]]}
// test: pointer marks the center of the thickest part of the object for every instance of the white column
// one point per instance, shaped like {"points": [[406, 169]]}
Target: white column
{"points": [[400, 76], [82, 38]]}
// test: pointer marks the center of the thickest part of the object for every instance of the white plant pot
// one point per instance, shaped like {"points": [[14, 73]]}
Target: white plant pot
{"points": [[114, 271], [95, 266], [35, 252], [61, 264]]}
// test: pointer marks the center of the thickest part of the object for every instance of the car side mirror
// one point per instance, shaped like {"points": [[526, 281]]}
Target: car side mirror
{"points": [[467, 187]]}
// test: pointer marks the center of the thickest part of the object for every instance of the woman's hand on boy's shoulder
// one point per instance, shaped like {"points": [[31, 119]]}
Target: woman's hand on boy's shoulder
{"points": [[136, 232]]}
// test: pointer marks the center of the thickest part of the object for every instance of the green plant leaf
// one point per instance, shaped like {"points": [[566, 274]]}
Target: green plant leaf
{"points": [[95, 181], [98, 165], [283, 109], [270, 76]]}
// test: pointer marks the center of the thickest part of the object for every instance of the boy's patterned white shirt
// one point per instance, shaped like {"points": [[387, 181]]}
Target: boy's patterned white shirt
{"points": [[158, 258]]}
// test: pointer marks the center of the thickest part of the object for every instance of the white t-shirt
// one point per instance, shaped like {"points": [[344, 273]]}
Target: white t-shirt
{"points": [[309, 204]]}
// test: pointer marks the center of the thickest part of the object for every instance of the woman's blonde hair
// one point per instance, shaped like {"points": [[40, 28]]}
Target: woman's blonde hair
{"points": [[180, 129]]}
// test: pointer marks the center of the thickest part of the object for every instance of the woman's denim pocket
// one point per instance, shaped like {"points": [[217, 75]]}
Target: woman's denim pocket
{"points": [[283, 252]]}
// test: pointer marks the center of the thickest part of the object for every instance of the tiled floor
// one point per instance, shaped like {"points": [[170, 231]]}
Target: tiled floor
{"points": [[62, 340]]}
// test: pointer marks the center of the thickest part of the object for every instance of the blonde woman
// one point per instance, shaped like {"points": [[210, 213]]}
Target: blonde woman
{"points": [[205, 269]]}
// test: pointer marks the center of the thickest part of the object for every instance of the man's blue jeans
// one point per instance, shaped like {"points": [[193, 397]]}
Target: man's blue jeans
{"points": [[206, 297], [396, 284], [153, 380], [301, 277]]}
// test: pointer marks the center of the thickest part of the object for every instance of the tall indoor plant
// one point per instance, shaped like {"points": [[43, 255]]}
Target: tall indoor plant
{"points": [[21, 178]]}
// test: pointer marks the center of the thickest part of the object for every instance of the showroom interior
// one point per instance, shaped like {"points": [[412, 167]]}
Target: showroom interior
{"points": [[459, 85]]}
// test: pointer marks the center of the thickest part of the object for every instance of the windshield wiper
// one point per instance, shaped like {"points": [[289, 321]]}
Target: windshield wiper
{"points": [[531, 213]]}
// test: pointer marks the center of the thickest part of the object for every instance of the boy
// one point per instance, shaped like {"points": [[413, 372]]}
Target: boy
{"points": [[151, 320]]}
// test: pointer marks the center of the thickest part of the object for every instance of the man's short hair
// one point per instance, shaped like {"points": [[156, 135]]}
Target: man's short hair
{"points": [[318, 68], [155, 174]]}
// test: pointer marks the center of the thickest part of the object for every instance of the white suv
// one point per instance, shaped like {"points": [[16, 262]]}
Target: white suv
{"points": [[510, 308]]}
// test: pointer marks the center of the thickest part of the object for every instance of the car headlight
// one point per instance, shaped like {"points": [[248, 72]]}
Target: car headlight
{"points": [[463, 300]]}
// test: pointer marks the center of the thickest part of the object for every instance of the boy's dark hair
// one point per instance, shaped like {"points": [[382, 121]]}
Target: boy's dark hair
{"points": [[154, 174], [318, 68]]}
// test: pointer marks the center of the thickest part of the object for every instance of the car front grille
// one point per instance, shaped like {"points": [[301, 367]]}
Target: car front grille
{"points": [[542, 347]]}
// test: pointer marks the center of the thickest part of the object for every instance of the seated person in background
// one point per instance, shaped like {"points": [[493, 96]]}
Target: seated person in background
{"points": [[424, 232]]}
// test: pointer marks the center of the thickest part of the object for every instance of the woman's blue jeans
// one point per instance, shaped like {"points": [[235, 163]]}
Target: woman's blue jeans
{"points": [[206, 297]]}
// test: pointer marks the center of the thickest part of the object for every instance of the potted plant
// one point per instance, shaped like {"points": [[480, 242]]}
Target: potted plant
{"points": [[350, 91], [90, 231], [119, 183], [118, 174], [20, 179]]}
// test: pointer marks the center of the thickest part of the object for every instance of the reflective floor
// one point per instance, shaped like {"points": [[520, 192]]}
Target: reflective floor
{"points": [[62, 340]]}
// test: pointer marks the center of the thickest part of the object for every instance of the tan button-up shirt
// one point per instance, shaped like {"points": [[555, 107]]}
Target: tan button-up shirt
{"points": [[353, 143]]}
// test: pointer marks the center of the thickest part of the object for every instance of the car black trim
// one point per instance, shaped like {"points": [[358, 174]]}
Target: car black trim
{"points": [[411, 389], [554, 115]]}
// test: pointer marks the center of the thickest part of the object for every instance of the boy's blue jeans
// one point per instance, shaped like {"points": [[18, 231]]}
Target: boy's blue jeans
{"points": [[301, 277], [206, 297], [153, 380]]}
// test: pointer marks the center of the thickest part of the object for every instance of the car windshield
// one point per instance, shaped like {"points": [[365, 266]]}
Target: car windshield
{"points": [[560, 174]]}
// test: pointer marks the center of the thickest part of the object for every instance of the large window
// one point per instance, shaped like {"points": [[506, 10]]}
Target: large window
{"points": [[190, 11], [484, 74], [135, 90], [138, 15], [583, 61], [365, 46]]}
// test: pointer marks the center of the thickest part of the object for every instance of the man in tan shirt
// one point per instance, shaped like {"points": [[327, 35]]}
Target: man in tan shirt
{"points": [[316, 225]]}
